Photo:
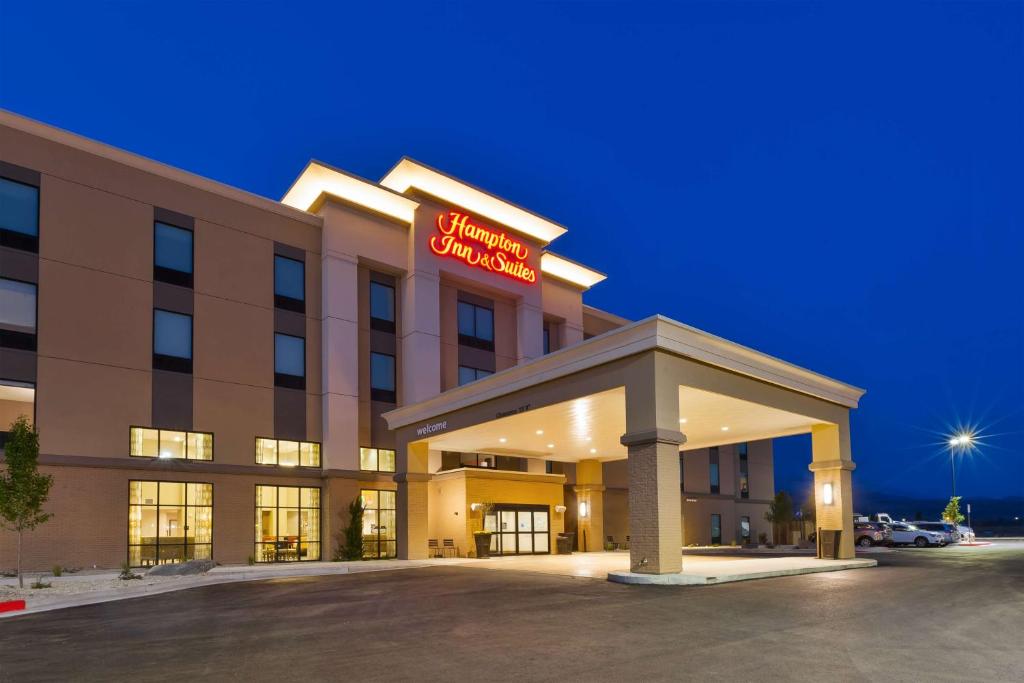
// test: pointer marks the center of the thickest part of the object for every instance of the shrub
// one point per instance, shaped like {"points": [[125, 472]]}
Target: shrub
{"points": [[126, 572], [57, 570], [251, 560], [39, 583]]}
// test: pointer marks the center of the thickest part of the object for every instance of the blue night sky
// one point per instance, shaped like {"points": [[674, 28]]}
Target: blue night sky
{"points": [[837, 184]]}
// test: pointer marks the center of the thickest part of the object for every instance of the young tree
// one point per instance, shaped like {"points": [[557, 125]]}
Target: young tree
{"points": [[350, 540], [780, 514], [22, 489], [952, 511]]}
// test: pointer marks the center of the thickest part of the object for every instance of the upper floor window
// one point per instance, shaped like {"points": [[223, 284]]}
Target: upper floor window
{"points": [[172, 254], [468, 374], [713, 474], [744, 471], [382, 306], [170, 444], [376, 460], [172, 341], [19, 215], [476, 326], [382, 377], [289, 284], [17, 315], [289, 361], [287, 453], [547, 339]]}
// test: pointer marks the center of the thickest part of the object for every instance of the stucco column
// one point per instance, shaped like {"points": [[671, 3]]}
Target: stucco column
{"points": [[340, 369], [412, 478], [832, 463], [589, 490], [652, 440]]}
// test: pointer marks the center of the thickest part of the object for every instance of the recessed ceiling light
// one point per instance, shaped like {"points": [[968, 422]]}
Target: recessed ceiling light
{"points": [[593, 450], [551, 445], [502, 440], [725, 429], [539, 432], [588, 439], [682, 420]]}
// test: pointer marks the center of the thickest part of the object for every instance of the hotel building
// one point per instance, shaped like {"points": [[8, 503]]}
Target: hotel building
{"points": [[215, 374]]}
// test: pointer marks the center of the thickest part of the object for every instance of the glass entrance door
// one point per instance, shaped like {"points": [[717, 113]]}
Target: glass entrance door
{"points": [[519, 529]]}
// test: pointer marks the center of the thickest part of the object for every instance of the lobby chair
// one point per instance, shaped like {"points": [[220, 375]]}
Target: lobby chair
{"points": [[449, 547], [433, 550]]}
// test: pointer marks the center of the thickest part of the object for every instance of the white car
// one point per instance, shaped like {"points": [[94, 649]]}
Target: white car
{"points": [[908, 534], [966, 533]]}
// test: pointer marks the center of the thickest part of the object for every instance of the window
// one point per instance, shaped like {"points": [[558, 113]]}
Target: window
{"points": [[172, 254], [547, 339], [289, 284], [287, 523], [147, 442], [682, 471], [716, 529], [379, 518], [382, 377], [382, 307], [18, 398], [287, 453], [713, 477], [744, 529], [17, 314], [19, 215], [169, 521], [376, 460], [289, 361], [172, 341], [468, 374], [476, 326], [744, 472]]}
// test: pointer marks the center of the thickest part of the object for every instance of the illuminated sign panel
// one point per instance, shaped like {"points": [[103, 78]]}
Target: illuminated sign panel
{"points": [[479, 246]]}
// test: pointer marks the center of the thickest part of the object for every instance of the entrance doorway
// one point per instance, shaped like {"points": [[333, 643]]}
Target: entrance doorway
{"points": [[519, 529]]}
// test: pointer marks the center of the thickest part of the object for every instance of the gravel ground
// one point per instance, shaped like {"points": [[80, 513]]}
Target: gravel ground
{"points": [[73, 584]]}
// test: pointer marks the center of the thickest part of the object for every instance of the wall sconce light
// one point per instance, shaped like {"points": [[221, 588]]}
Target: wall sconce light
{"points": [[559, 509], [475, 506], [583, 508], [826, 494]]}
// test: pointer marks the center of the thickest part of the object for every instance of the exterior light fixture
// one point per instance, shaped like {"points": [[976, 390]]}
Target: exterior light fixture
{"points": [[551, 445], [583, 508], [682, 420], [475, 506], [826, 493], [725, 429], [593, 450], [539, 432], [559, 509], [502, 440]]}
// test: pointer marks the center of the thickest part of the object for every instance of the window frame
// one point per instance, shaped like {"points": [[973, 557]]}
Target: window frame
{"points": [[475, 341], [173, 276], [185, 506], [283, 301], [394, 459], [257, 543], [277, 453], [162, 361], [476, 371], [15, 239], [714, 465], [380, 542], [213, 449], [380, 394], [744, 471], [712, 527], [382, 324], [16, 339], [287, 380]]}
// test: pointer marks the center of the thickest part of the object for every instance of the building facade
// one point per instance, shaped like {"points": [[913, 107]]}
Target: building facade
{"points": [[215, 374]]}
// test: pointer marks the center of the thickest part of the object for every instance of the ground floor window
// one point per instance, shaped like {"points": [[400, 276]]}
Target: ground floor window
{"points": [[169, 521], [287, 523], [379, 518], [716, 529], [745, 529], [519, 529]]}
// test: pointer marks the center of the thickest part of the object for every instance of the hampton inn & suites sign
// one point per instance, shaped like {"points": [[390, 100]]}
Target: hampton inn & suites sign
{"points": [[479, 246]]}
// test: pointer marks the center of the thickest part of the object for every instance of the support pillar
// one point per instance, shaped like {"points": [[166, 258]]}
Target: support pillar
{"points": [[411, 512], [589, 490], [832, 464]]}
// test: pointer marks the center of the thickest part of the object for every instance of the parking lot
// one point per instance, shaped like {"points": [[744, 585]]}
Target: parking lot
{"points": [[934, 614]]}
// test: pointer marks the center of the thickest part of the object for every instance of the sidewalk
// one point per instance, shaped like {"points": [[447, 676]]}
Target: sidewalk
{"points": [[90, 587]]}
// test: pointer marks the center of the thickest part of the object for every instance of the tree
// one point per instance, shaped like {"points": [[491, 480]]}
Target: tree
{"points": [[952, 511], [350, 540], [808, 515], [23, 491], [780, 514]]}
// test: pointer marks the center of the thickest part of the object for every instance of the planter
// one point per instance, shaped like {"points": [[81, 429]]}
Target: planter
{"points": [[483, 545]]}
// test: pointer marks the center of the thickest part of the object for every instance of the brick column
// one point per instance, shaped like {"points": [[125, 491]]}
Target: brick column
{"points": [[412, 478], [589, 489], [832, 463], [655, 524]]}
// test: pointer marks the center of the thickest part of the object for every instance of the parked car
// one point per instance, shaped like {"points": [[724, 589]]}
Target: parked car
{"points": [[949, 532], [966, 533], [908, 534], [867, 534]]}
